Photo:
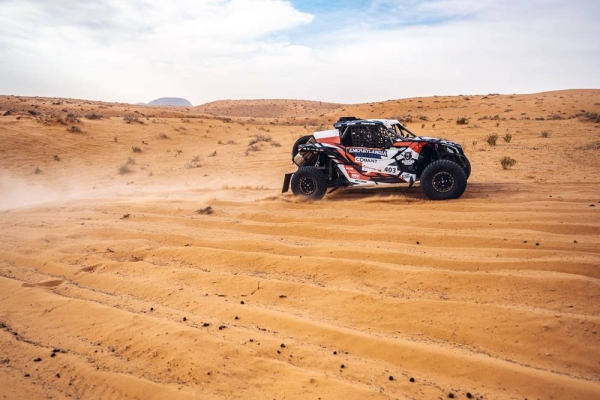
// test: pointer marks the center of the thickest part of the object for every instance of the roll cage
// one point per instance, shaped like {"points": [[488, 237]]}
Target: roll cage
{"points": [[372, 133]]}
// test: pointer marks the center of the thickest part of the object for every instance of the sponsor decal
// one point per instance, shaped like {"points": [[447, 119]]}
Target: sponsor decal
{"points": [[408, 158], [406, 176], [366, 160], [368, 153]]}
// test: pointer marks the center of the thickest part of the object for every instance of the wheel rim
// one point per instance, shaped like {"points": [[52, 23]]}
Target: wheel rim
{"points": [[308, 185], [443, 182]]}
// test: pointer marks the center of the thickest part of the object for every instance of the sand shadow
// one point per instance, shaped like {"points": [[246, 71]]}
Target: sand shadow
{"points": [[46, 284], [475, 190]]}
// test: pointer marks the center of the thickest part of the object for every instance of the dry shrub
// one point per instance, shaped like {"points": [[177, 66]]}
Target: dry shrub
{"points": [[589, 117], [195, 163], [492, 139], [545, 134], [205, 211], [124, 169], [74, 129], [136, 149], [260, 138], [252, 147], [507, 162], [507, 138], [72, 118], [132, 118], [462, 121]]}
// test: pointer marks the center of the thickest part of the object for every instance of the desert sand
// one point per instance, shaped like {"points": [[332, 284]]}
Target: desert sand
{"points": [[118, 281]]}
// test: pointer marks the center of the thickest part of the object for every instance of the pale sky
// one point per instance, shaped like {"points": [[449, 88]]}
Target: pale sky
{"points": [[339, 51]]}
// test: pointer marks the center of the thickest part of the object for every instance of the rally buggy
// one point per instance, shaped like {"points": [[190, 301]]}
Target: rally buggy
{"points": [[361, 152]]}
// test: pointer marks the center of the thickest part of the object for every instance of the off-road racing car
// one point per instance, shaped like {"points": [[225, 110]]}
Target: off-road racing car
{"points": [[361, 152]]}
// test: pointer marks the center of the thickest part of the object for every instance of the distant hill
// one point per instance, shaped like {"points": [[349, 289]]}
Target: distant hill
{"points": [[170, 101], [267, 108]]}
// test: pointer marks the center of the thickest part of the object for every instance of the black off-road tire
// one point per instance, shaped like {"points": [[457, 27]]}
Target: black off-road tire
{"points": [[467, 168], [309, 182], [443, 180], [302, 140]]}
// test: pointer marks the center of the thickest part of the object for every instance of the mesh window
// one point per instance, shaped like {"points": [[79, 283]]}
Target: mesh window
{"points": [[369, 136]]}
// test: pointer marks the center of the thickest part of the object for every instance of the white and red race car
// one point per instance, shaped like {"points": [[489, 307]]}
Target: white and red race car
{"points": [[361, 152]]}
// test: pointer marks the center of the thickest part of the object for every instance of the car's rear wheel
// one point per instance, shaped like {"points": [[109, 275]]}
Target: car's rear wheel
{"points": [[309, 182], [302, 140], [443, 180]]}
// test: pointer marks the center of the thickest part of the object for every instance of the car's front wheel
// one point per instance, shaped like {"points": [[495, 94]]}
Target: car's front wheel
{"points": [[309, 182], [443, 180], [467, 167]]}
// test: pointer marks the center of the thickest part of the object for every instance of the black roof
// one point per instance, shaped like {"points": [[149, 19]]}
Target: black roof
{"points": [[345, 121]]}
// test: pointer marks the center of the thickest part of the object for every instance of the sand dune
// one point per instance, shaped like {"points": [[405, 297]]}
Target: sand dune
{"points": [[119, 287]]}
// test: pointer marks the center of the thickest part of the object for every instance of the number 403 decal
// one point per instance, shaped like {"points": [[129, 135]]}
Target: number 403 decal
{"points": [[390, 170]]}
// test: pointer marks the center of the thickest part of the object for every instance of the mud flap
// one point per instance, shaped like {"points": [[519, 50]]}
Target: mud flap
{"points": [[286, 183]]}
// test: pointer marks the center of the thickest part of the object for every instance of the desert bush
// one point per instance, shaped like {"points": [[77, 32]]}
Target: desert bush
{"points": [[492, 139], [205, 210], [275, 144], [56, 157], [507, 138], [589, 117], [213, 154], [252, 147], [545, 134], [260, 138], [136, 149], [462, 121], [195, 163], [116, 139], [507, 162], [130, 161], [124, 169], [422, 126], [75, 129], [132, 118], [72, 118], [37, 170], [93, 116], [163, 136]]}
